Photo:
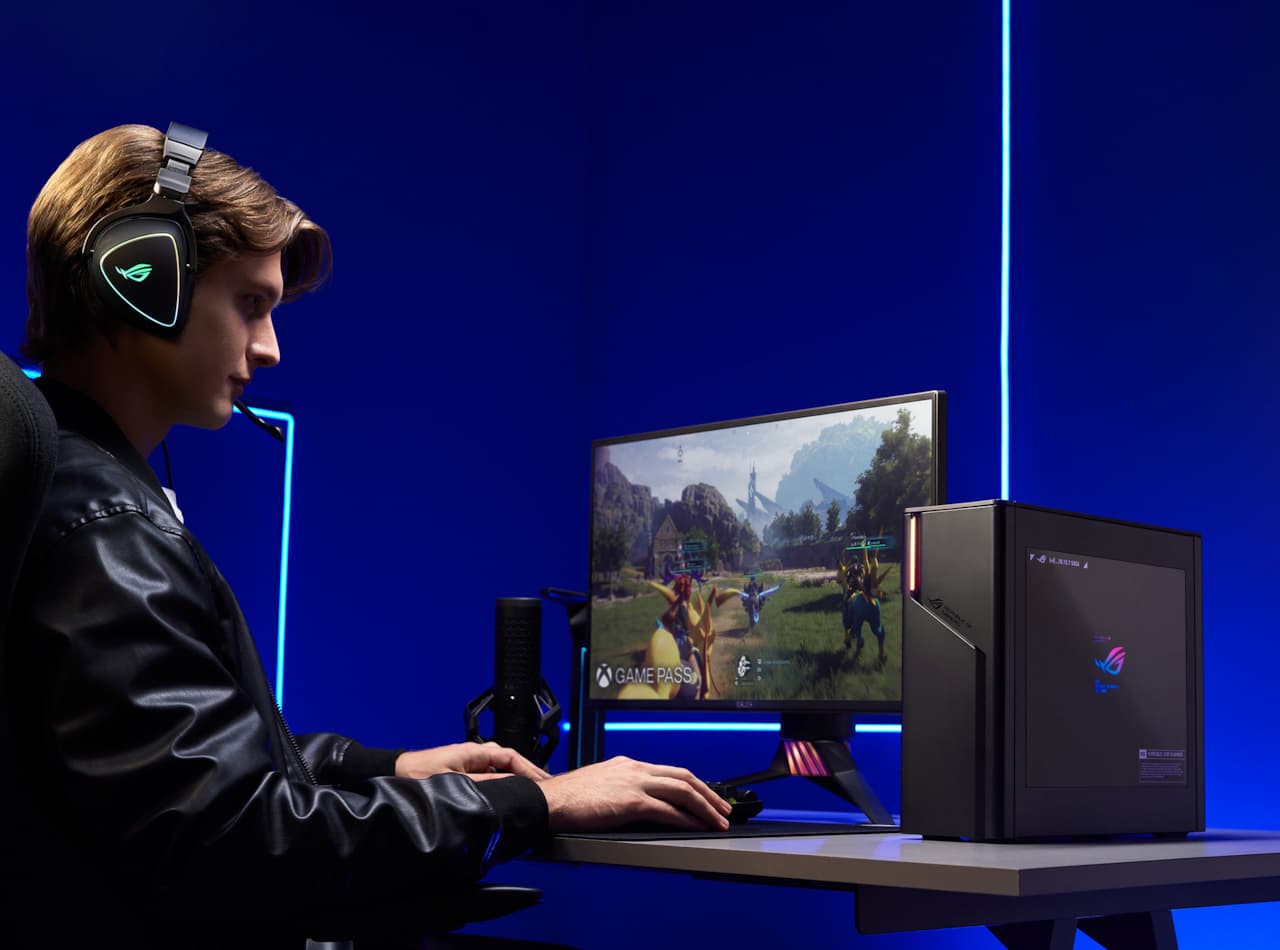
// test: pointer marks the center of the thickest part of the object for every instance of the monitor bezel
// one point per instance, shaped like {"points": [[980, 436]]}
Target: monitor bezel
{"points": [[937, 400]]}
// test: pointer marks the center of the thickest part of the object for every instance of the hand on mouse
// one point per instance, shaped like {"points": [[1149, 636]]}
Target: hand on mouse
{"points": [[622, 791]]}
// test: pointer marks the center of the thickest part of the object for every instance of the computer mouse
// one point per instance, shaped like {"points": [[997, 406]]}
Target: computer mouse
{"points": [[746, 803]]}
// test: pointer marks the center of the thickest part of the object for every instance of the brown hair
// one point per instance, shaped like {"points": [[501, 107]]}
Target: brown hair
{"points": [[232, 209]]}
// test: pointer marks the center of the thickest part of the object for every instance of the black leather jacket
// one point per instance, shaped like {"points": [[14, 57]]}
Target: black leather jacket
{"points": [[159, 778]]}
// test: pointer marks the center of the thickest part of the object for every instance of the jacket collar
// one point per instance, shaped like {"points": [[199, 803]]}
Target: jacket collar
{"points": [[78, 413]]}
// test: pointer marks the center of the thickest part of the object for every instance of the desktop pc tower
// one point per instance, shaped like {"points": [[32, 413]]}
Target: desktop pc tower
{"points": [[1051, 675]]}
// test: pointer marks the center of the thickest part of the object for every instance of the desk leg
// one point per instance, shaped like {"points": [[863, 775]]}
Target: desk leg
{"points": [[1153, 931], [1109, 917], [1037, 934], [1149, 931]]}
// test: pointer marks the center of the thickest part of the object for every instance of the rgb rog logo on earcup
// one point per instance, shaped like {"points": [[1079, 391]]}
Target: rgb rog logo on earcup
{"points": [[143, 272], [138, 266], [138, 272]]}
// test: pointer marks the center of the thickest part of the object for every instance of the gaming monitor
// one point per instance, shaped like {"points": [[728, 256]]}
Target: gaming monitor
{"points": [[755, 564]]}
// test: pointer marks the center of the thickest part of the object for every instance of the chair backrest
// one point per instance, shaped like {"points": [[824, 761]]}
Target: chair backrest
{"points": [[28, 447]]}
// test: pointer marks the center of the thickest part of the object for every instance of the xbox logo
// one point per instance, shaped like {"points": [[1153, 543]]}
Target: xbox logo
{"points": [[604, 675]]}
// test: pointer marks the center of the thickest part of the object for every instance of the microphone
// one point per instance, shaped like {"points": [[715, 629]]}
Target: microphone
{"points": [[516, 656], [526, 715], [261, 423]]}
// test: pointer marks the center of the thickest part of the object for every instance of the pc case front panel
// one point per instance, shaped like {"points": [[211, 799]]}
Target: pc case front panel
{"points": [[1106, 650], [942, 758], [953, 717]]}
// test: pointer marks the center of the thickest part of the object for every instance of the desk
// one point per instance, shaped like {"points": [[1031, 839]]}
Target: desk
{"points": [[1120, 892]]}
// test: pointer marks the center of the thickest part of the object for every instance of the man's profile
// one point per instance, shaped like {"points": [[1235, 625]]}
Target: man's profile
{"points": [[163, 789]]}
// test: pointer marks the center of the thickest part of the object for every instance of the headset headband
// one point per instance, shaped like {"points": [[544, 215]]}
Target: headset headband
{"points": [[183, 147]]}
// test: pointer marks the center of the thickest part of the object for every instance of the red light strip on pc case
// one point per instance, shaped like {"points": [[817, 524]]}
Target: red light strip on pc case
{"points": [[913, 528]]}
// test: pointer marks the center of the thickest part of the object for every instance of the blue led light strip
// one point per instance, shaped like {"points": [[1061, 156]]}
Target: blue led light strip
{"points": [[288, 419], [865, 728], [1006, 82]]}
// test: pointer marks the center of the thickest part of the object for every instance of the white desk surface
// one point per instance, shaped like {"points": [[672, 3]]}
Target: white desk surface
{"points": [[907, 861]]}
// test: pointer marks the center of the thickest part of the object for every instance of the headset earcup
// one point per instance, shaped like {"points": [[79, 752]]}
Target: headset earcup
{"points": [[141, 266]]}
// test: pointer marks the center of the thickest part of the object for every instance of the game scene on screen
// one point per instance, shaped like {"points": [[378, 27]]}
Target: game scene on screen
{"points": [[758, 562]]}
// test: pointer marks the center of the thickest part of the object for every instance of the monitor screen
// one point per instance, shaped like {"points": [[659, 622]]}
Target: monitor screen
{"points": [[756, 563]]}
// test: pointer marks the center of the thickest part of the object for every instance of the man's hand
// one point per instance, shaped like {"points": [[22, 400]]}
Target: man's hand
{"points": [[620, 791], [479, 760]]}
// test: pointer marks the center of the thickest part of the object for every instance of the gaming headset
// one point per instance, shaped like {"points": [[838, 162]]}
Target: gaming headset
{"points": [[142, 259]]}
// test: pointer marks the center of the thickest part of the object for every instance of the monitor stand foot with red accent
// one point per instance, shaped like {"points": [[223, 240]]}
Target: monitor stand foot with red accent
{"points": [[816, 746]]}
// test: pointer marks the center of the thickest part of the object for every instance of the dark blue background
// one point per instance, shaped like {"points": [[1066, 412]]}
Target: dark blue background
{"points": [[561, 221]]}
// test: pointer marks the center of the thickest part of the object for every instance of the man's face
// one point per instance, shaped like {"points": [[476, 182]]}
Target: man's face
{"points": [[228, 337]]}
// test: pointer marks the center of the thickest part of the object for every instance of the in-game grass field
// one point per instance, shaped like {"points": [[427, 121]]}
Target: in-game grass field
{"points": [[796, 652]]}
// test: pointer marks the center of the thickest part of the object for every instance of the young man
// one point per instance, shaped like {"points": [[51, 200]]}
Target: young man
{"points": [[165, 793]]}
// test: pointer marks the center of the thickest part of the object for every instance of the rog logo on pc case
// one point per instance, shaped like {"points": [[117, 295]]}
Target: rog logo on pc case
{"points": [[138, 272], [1114, 662], [948, 613]]}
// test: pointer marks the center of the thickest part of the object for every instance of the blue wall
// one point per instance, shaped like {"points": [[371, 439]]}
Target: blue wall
{"points": [[798, 208], [564, 221], [1146, 290]]}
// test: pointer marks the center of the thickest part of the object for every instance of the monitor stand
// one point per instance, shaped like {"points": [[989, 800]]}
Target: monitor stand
{"points": [[816, 746]]}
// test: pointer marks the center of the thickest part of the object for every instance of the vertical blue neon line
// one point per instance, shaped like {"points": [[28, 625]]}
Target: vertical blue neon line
{"points": [[1005, 150], [284, 562], [285, 522], [582, 702]]}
